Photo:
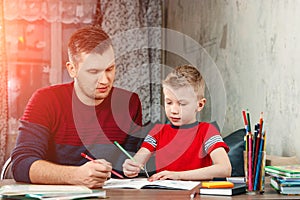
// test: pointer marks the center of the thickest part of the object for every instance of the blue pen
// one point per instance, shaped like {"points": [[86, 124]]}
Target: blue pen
{"points": [[258, 163]]}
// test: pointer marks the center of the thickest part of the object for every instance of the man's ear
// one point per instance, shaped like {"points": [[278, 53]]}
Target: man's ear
{"points": [[71, 69], [201, 103]]}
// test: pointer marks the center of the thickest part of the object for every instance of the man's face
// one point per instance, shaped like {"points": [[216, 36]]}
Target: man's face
{"points": [[94, 77]]}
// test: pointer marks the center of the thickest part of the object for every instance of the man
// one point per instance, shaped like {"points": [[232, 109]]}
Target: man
{"points": [[85, 116]]}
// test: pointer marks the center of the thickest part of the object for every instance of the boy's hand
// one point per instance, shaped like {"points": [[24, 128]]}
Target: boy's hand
{"points": [[131, 168], [165, 175]]}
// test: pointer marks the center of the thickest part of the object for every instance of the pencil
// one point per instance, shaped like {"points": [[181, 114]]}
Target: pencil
{"points": [[262, 176], [261, 121], [248, 120], [246, 167], [257, 143], [245, 119], [129, 156], [259, 161], [126, 153], [250, 167], [255, 137], [91, 159]]}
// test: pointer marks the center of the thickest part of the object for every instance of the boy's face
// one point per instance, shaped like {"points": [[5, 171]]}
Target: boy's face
{"points": [[94, 76], [182, 105]]}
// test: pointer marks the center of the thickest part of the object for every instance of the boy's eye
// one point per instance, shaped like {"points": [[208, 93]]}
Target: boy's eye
{"points": [[168, 102], [183, 103]]}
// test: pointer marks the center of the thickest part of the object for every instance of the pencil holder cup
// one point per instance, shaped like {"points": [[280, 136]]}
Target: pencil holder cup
{"points": [[254, 167]]}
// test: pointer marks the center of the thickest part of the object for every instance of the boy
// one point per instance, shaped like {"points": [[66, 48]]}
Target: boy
{"points": [[185, 149]]}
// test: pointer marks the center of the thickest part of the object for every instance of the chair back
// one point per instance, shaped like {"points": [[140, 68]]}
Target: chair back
{"points": [[6, 172], [236, 143]]}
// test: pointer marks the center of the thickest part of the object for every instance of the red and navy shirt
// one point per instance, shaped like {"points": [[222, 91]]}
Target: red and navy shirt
{"points": [[56, 126]]}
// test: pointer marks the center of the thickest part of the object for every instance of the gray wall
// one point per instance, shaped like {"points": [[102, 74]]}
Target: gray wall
{"points": [[256, 48]]}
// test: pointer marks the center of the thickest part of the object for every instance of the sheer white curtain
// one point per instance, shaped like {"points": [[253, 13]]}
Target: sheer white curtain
{"points": [[65, 11], [139, 64], [139, 68]]}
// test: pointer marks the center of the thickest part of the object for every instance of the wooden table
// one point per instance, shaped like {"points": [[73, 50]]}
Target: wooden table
{"points": [[154, 194]]}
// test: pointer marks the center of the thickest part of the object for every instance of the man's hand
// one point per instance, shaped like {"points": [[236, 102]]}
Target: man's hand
{"points": [[93, 174]]}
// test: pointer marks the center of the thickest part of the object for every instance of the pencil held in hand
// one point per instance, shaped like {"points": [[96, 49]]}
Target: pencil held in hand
{"points": [[86, 156], [129, 156], [91, 159], [125, 152]]}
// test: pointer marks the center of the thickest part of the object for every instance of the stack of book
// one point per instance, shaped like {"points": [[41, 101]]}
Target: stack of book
{"points": [[225, 188], [285, 179]]}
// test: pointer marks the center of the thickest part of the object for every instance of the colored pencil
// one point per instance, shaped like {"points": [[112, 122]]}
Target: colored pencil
{"points": [[262, 173], [257, 143], [91, 159], [258, 166], [129, 156], [250, 167]]}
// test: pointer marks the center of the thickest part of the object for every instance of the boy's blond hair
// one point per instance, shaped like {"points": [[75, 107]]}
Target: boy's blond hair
{"points": [[186, 75]]}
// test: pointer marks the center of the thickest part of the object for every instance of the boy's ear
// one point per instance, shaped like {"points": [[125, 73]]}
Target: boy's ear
{"points": [[201, 104], [71, 69]]}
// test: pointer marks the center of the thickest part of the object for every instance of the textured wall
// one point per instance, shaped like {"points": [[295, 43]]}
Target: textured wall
{"points": [[256, 47], [126, 22]]}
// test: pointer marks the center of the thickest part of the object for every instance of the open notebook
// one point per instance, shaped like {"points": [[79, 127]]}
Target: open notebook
{"points": [[143, 183]]}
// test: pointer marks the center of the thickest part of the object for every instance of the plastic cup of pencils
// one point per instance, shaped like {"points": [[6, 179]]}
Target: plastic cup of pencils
{"points": [[254, 168]]}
